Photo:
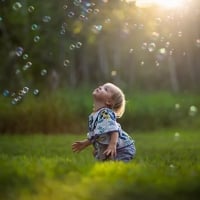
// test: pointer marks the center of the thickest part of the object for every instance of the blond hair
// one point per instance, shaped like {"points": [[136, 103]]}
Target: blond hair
{"points": [[119, 101]]}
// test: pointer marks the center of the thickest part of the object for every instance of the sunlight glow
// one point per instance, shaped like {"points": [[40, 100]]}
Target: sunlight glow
{"points": [[161, 3]]}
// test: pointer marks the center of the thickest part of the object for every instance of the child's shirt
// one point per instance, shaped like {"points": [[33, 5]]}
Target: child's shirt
{"points": [[101, 124]]}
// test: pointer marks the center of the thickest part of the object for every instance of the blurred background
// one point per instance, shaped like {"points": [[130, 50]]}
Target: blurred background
{"points": [[53, 53]]}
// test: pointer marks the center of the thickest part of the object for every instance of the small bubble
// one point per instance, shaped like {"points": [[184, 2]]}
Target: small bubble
{"points": [[162, 51], [62, 32], [19, 51], [34, 27], [155, 36], [83, 17], [142, 63], [27, 66], [66, 63], [157, 63], [89, 10], [16, 6], [21, 93], [171, 166], [14, 101], [65, 7], [96, 11], [144, 45], [36, 38], [96, 28], [43, 72], [158, 21], [193, 110], [177, 106], [36, 92], [180, 34], [72, 47], [71, 14], [151, 46], [78, 45], [17, 71], [198, 43], [25, 56], [176, 136], [77, 2], [1, 19], [6, 93], [25, 90], [107, 21], [113, 73], [131, 50], [167, 44], [31, 9], [46, 19]]}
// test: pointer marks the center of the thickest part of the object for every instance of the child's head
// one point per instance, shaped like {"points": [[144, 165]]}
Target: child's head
{"points": [[112, 96]]}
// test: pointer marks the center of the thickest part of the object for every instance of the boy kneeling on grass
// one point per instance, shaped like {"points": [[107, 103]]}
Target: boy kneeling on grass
{"points": [[105, 133]]}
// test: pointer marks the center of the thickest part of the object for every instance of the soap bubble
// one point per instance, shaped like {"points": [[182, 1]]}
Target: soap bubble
{"points": [[193, 110], [25, 90], [27, 66], [176, 136], [96, 11], [155, 35], [65, 7], [31, 9], [34, 27], [16, 6], [36, 92], [77, 2], [113, 73], [19, 51], [177, 106], [36, 38], [198, 43], [131, 50], [96, 28], [78, 45], [25, 56], [18, 71], [43, 72], [89, 10], [6, 93], [46, 19], [66, 63], [151, 46], [144, 45], [71, 14], [72, 46]]}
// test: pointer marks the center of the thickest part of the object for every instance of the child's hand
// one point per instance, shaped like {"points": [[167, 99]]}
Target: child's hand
{"points": [[80, 145], [111, 151]]}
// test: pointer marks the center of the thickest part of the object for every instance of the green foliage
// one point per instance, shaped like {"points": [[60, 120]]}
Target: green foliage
{"points": [[67, 111], [43, 167]]}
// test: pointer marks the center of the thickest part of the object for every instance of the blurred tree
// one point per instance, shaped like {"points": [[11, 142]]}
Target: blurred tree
{"points": [[53, 44]]}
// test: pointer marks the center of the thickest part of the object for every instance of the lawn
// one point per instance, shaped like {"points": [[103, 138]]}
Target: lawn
{"points": [[36, 166]]}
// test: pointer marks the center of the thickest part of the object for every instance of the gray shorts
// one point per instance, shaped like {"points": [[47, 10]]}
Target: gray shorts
{"points": [[124, 154]]}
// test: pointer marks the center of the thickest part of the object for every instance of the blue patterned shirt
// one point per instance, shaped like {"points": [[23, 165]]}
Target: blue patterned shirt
{"points": [[101, 124]]}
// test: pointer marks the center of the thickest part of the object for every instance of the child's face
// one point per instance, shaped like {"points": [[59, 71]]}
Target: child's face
{"points": [[104, 93]]}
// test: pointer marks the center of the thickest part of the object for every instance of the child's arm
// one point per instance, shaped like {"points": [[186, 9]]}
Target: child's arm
{"points": [[80, 145], [111, 150]]}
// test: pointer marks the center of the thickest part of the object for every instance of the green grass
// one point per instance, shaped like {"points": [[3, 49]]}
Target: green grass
{"points": [[60, 110], [43, 167]]}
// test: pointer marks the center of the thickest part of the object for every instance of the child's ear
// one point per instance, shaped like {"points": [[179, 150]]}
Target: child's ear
{"points": [[109, 103]]}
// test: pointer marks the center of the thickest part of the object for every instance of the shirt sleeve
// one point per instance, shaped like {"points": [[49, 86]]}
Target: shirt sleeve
{"points": [[106, 122]]}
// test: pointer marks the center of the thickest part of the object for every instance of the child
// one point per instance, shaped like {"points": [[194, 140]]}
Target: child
{"points": [[109, 140]]}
